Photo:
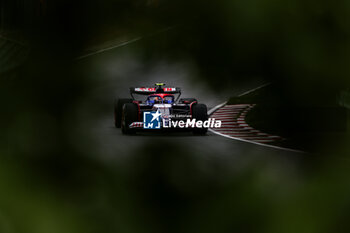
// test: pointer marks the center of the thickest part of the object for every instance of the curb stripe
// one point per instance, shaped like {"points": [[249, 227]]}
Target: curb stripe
{"points": [[235, 127]]}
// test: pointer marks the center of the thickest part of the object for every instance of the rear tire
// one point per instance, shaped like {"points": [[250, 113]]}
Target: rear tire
{"points": [[200, 112], [118, 108], [129, 115]]}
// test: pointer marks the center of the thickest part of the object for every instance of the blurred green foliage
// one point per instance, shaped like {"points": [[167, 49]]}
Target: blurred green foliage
{"points": [[47, 185]]}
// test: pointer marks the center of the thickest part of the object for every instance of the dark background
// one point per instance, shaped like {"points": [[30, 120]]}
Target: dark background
{"points": [[48, 185]]}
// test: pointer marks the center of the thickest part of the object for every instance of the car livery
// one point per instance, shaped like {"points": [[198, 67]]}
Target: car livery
{"points": [[160, 109]]}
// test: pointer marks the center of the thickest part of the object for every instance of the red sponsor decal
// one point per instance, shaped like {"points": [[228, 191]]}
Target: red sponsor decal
{"points": [[169, 89], [146, 89]]}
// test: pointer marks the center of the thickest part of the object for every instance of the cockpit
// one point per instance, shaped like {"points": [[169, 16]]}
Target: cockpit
{"points": [[158, 99]]}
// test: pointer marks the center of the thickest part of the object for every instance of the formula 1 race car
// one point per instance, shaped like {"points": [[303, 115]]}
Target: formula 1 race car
{"points": [[160, 110]]}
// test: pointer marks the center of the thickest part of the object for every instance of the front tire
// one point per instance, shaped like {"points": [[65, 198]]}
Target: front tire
{"points": [[200, 112], [129, 115], [118, 108]]}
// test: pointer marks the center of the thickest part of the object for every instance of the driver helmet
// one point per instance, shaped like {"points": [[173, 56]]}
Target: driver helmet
{"points": [[157, 100]]}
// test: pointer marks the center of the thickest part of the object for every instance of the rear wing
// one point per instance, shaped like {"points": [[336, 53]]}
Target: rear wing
{"points": [[154, 90]]}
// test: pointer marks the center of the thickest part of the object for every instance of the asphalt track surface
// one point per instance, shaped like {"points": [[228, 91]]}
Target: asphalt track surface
{"points": [[112, 72]]}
